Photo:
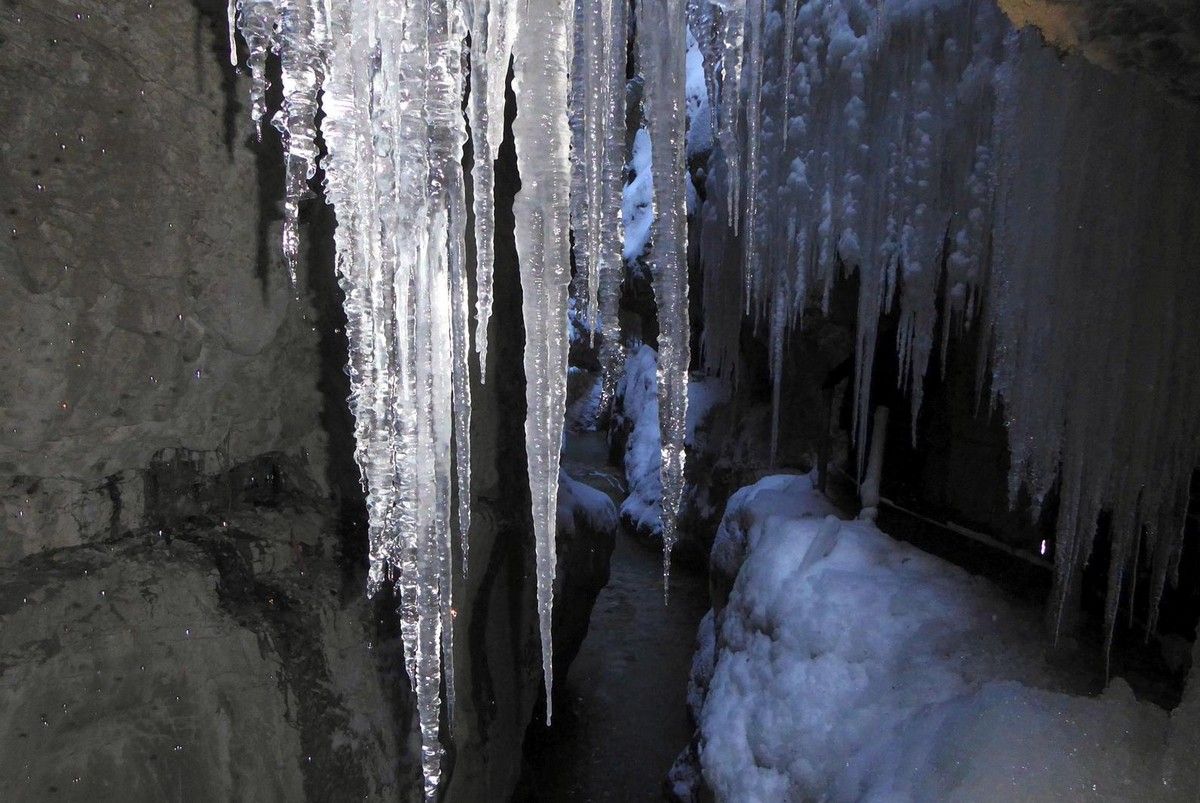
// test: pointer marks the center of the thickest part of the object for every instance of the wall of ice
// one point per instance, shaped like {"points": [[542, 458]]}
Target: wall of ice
{"points": [[973, 177]]}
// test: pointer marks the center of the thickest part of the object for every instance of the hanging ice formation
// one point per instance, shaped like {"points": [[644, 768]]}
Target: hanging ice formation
{"points": [[390, 77], [598, 160], [926, 144], [662, 50]]}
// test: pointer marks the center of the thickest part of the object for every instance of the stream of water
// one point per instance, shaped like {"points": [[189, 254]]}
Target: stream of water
{"points": [[622, 718]]}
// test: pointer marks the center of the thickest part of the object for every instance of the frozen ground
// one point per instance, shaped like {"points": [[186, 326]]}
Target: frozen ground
{"points": [[839, 664]]}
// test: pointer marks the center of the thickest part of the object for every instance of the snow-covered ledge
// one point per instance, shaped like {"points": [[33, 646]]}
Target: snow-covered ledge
{"points": [[839, 664]]}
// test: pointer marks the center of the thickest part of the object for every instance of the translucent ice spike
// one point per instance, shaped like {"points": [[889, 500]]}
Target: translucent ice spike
{"points": [[541, 58], [662, 49]]}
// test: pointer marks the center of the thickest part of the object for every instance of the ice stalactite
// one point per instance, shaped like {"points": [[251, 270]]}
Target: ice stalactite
{"points": [[302, 35], [390, 77], [256, 20], [1094, 359], [662, 51], [929, 146], [730, 25], [493, 26], [598, 160], [542, 135]]}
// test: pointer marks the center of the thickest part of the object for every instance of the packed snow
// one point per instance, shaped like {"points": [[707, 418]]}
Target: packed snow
{"points": [[638, 413], [699, 109], [580, 504], [844, 665], [638, 392], [638, 198]]}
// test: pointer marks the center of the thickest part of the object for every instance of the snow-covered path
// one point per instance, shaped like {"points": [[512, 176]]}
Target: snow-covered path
{"points": [[623, 715]]}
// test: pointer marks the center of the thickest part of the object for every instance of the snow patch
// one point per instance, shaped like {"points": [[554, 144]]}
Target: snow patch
{"points": [[844, 665], [581, 504], [637, 199]]}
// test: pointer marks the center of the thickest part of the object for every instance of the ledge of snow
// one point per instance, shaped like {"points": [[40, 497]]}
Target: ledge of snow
{"points": [[844, 665], [582, 505]]}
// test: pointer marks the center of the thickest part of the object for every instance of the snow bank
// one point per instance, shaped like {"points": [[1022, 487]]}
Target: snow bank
{"points": [[699, 112], [637, 198], [581, 505], [844, 665], [638, 391]]}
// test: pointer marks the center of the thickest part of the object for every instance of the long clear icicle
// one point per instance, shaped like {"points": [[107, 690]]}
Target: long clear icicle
{"points": [[302, 34], [598, 127], [459, 294], [493, 28], [542, 134], [479, 111], [662, 51]]}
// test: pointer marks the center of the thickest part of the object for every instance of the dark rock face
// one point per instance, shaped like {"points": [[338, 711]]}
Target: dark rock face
{"points": [[143, 304], [1156, 38], [218, 662], [182, 605]]}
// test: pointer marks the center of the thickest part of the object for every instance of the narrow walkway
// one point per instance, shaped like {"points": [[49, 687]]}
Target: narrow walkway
{"points": [[623, 717]]}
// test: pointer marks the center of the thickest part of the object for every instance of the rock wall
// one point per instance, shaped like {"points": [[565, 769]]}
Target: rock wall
{"points": [[143, 303], [217, 663], [1158, 38]]}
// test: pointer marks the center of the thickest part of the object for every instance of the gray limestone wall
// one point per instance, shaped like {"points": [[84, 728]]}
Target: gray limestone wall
{"points": [[143, 303]]}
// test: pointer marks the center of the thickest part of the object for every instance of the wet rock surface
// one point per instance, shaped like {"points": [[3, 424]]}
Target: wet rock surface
{"points": [[216, 660]]}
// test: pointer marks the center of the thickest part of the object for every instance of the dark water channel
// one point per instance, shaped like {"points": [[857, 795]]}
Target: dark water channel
{"points": [[622, 718]]}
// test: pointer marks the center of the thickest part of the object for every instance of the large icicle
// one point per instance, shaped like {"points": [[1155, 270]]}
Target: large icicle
{"points": [[460, 313], [394, 133], [598, 128], [662, 52], [542, 133], [493, 29]]}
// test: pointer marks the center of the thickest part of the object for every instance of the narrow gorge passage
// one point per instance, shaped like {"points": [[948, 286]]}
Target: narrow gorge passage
{"points": [[622, 718]]}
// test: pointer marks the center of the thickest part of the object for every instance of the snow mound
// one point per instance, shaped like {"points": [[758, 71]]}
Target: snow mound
{"points": [[638, 391], [844, 665], [637, 199], [581, 505], [699, 111]]}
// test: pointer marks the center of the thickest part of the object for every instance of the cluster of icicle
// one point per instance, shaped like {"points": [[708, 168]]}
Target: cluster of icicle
{"points": [[926, 145], [391, 77]]}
